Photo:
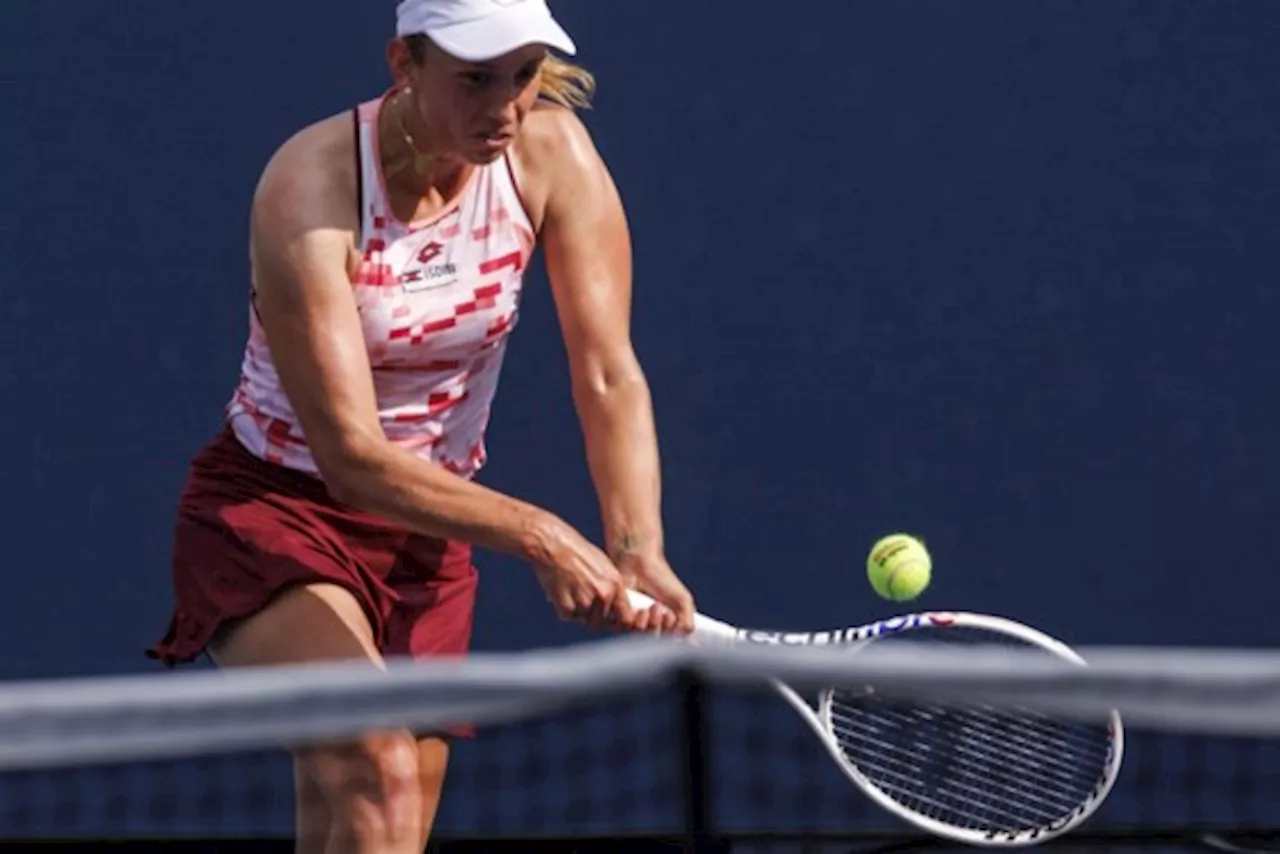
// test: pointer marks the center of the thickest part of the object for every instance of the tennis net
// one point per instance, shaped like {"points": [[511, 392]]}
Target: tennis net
{"points": [[625, 744]]}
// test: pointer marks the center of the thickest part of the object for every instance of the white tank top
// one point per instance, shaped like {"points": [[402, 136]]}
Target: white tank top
{"points": [[437, 300]]}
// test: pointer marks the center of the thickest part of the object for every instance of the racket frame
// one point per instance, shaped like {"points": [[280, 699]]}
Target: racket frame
{"points": [[855, 638]]}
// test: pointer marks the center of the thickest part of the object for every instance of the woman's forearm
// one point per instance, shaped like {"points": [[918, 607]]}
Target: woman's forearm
{"points": [[622, 454], [387, 481]]}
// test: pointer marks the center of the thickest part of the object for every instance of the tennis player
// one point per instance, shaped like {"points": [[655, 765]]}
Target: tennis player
{"points": [[334, 515]]}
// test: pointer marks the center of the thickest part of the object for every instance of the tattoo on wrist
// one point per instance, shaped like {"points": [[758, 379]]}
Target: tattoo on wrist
{"points": [[625, 544]]}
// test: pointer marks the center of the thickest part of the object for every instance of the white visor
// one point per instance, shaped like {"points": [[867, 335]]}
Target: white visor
{"points": [[479, 30]]}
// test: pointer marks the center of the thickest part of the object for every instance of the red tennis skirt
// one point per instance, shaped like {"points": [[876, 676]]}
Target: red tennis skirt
{"points": [[247, 529]]}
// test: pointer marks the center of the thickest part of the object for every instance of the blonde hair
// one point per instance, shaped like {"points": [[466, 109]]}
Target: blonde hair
{"points": [[567, 84], [562, 82]]}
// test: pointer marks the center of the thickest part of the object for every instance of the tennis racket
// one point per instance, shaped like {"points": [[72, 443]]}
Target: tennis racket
{"points": [[981, 775]]}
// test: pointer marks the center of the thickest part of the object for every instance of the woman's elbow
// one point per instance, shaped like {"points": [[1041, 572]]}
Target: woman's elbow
{"points": [[350, 468], [608, 379]]}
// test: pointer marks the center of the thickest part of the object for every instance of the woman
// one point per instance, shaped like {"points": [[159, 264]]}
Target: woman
{"points": [[333, 518]]}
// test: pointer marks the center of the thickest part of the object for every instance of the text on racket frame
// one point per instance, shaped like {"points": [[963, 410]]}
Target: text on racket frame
{"points": [[849, 635]]}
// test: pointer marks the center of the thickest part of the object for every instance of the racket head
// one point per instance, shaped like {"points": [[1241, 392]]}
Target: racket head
{"points": [[988, 777]]}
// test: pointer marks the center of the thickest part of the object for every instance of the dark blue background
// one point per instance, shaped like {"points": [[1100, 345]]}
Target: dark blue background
{"points": [[1001, 274]]}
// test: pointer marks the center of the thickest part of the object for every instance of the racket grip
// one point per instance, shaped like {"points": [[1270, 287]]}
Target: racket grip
{"points": [[704, 627], [639, 600]]}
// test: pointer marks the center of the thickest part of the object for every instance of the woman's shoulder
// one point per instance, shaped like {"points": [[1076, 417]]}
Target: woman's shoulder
{"points": [[315, 167], [551, 134], [553, 142]]}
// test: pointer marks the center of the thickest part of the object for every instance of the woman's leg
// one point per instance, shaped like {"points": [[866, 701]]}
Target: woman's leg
{"points": [[433, 762], [360, 797]]}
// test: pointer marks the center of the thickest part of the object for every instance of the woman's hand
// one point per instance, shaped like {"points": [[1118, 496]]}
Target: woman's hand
{"points": [[580, 581], [650, 573]]}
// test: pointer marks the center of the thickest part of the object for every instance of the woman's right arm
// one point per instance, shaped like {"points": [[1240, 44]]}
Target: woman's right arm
{"points": [[303, 221]]}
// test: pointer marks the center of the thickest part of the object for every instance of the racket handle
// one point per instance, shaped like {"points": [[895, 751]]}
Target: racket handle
{"points": [[704, 627]]}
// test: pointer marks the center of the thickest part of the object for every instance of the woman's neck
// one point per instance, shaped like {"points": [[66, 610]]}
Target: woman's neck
{"points": [[410, 165]]}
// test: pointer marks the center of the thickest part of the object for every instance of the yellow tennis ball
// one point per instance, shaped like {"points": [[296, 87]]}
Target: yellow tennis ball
{"points": [[899, 567]]}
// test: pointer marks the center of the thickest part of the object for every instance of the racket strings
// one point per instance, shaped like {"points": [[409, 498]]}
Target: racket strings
{"points": [[958, 771], [973, 766], [848, 726]]}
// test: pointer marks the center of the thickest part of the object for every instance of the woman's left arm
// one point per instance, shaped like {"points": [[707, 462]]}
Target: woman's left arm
{"points": [[588, 255]]}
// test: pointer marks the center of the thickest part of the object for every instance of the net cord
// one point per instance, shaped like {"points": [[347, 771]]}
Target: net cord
{"points": [[1230, 692]]}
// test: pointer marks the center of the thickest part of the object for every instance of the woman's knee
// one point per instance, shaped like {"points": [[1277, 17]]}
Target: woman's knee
{"points": [[372, 784]]}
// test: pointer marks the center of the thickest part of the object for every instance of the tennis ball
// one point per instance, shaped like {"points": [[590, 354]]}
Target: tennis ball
{"points": [[899, 567]]}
